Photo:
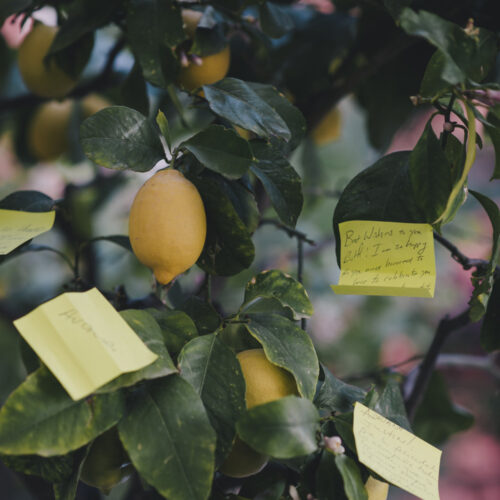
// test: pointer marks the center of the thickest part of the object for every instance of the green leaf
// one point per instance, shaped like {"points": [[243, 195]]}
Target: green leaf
{"points": [[133, 91], [237, 338], [395, 7], [381, 192], [264, 305], [8, 7], [221, 150], [147, 329], [228, 247], [205, 317], [467, 56], [490, 327], [117, 239], [493, 117], [275, 284], [118, 137], [177, 328], [432, 82], [153, 28], [284, 428], [162, 122], [430, 174], [169, 439], [268, 484], [288, 346], [437, 418], [66, 489], [73, 58], [275, 19], [27, 201], [353, 484], [280, 180], [328, 481], [391, 405], [237, 102], [335, 395], [40, 418], [215, 373]]}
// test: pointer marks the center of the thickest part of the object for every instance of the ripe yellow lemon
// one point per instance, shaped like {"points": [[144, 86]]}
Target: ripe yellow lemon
{"points": [[377, 490], [265, 382], [44, 78], [167, 224], [328, 129]]}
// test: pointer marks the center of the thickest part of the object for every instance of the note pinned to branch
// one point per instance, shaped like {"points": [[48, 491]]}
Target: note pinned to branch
{"points": [[17, 227], [83, 341], [386, 258], [397, 455]]}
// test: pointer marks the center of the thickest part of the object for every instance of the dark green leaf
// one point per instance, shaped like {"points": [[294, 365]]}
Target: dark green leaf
{"points": [[395, 7], [432, 83], [118, 137], [215, 373], [237, 337], [280, 180], [73, 58], [490, 327], [275, 19], [328, 481], [288, 346], [264, 305], [205, 317], [66, 489], [176, 327], [118, 239], [381, 192], [154, 26], [353, 484], [343, 425], [278, 285], [284, 428], [133, 92], [437, 418], [147, 329], [209, 35], [169, 439], [237, 102], [268, 484], [40, 418], [243, 201], [430, 175], [8, 7], [27, 201], [221, 150], [335, 395], [493, 117], [391, 405]]}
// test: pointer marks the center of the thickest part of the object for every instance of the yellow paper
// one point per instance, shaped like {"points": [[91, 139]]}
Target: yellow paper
{"points": [[83, 341], [386, 258], [396, 454], [16, 227]]}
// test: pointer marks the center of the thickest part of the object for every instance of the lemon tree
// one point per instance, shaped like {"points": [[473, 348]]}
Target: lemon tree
{"points": [[188, 151]]}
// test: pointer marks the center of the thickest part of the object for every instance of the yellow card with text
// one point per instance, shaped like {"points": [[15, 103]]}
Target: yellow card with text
{"points": [[397, 455], [83, 341], [386, 258], [17, 227]]}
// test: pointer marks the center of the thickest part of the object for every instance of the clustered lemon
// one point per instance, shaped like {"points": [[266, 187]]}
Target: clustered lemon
{"points": [[42, 76], [167, 224], [265, 382]]}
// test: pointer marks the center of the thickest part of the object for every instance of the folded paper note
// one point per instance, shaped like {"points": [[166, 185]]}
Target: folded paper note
{"points": [[83, 341], [17, 227], [386, 258], [395, 454]]}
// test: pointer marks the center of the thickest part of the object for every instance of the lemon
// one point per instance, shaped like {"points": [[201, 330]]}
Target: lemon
{"points": [[265, 382], [107, 463], [377, 490], [328, 129], [44, 78], [167, 224]]}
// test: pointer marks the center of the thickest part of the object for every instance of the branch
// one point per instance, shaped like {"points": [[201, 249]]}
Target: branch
{"points": [[289, 230], [417, 389]]}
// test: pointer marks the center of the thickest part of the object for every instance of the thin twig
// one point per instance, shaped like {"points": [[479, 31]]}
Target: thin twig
{"points": [[289, 230]]}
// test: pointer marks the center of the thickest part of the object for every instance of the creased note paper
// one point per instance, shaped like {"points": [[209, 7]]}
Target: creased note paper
{"points": [[83, 341], [386, 258], [17, 227], [396, 454]]}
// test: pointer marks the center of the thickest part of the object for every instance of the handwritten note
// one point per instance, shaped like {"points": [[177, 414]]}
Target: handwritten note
{"points": [[386, 258], [17, 227], [396, 454], [83, 341]]}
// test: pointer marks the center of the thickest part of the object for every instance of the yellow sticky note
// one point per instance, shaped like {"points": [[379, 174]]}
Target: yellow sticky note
{"points": [[16, 227], [83, 341], [386, 258], [396, 454]]}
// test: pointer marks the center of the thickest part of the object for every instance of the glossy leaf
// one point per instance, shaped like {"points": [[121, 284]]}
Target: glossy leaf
{"points": [[263, 305], [275, 19], [280, 180], [221, 150], [328, 481], [284, 428], [147, 329], [27, 201], [391, 405], [40, 418], [275, 284], [203, 314], [353, 484], [335, 395], [169, 439], [288, 346], [215, 373], [432, 82], [237, 102], [118, 137], [66, 489], [237, 338]]}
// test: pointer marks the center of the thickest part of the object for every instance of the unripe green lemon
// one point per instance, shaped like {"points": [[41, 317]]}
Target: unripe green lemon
{"points": [[43, 78], [265, 382]]}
